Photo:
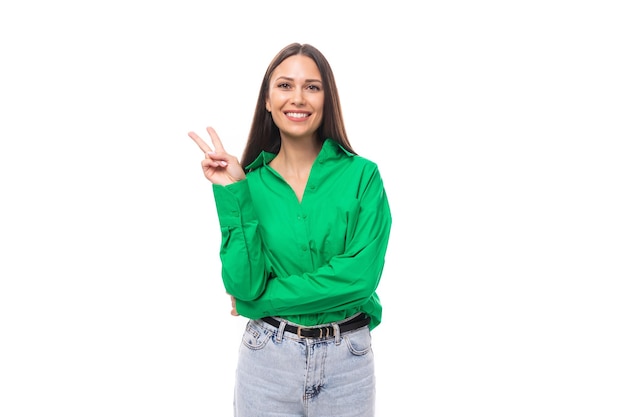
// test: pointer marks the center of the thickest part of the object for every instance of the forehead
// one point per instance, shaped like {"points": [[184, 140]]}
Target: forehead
{"points": [[297, 66]]}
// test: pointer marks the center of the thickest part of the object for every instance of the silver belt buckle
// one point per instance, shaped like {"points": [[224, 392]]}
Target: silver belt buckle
{"points": [[321, 329]]}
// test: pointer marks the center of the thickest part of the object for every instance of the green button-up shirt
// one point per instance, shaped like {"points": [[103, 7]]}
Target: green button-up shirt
{"points": [[310, 262]]}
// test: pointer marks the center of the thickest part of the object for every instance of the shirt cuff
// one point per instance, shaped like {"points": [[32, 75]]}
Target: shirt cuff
{"points": [[234, 203]]}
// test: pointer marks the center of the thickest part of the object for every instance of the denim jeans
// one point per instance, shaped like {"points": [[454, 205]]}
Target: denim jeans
{"points": [[282, 375]]}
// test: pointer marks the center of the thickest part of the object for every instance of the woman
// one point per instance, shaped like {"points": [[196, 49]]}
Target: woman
{"points": [[305, 223]]}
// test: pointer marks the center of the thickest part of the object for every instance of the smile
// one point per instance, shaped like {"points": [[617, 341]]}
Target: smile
{"points": [[297, 115]]}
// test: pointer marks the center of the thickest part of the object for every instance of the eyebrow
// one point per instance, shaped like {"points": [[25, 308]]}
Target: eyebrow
{"points": [[310, 80]]}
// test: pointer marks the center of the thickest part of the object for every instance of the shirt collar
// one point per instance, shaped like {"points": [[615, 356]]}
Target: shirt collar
{"points": [[330, 150], [264, 158]]}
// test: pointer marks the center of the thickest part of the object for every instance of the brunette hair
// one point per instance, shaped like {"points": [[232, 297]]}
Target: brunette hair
{"points": [[264, 134]]}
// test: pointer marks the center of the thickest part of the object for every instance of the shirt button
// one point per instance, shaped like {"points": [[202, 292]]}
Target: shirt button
{"points": [[304, 248]]}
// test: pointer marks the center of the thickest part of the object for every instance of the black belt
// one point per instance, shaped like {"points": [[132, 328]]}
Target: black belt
{"points": [[326, 331]]}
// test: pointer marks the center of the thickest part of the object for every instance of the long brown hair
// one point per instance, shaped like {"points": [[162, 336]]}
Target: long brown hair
{"points": [[264, 134]]}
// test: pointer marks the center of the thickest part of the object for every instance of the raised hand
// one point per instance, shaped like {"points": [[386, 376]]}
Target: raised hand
{"points": [[219, 167]]}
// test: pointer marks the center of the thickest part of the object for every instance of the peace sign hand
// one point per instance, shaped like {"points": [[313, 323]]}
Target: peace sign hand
{"points": [[219, 167]]}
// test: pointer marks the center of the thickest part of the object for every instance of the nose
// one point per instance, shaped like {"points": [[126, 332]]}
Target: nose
{"points": [[298, 97]]}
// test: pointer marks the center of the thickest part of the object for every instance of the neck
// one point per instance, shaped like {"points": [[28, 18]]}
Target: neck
{"points": [[296, 158]]}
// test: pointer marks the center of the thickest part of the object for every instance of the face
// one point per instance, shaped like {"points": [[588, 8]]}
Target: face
{"points": [[296, 97]]}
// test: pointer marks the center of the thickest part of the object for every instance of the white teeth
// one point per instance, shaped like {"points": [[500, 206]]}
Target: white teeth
{"points": [[298, 115]]}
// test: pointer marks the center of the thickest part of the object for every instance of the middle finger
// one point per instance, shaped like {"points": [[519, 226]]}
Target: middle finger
{"points": [[202, 144]]}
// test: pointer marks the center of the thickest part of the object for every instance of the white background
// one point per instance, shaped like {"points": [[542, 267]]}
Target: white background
{"points": [[499, 130]]}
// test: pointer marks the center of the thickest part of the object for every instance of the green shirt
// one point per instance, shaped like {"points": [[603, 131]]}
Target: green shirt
{"points": [[310, 262]]}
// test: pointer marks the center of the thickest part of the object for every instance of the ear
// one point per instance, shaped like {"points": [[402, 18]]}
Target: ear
{"points": [[267, 105]]}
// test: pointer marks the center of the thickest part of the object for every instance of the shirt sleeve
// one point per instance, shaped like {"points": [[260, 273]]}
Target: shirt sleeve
{"points": [[349, 279], [241, 251]]}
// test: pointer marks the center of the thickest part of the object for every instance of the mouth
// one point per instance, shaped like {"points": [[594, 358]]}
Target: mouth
{"points": [[297, 115]]}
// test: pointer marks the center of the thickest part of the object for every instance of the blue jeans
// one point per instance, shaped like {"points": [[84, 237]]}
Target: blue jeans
{"points": [[282, 375]]}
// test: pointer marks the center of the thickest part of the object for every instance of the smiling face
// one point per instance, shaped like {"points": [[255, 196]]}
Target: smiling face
{"points": [[296, 98]]}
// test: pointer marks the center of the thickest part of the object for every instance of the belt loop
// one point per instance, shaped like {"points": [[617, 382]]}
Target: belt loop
{"points": [[337, 334], [280, 331]]}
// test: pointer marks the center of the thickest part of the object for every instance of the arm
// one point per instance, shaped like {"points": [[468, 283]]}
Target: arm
{"points": [[238, 221], [241, 252]]}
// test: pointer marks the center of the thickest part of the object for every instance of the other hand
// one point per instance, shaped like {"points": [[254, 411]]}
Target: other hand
{"points": [[233, 303]]}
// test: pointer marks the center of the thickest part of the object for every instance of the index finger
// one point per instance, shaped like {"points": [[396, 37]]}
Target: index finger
{"points": [[217, 143], [202, 144]]}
